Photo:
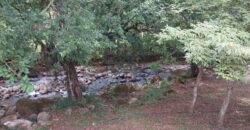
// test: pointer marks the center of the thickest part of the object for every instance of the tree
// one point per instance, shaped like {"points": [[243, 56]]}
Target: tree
{"points": [[212, 45], [67, 27], [17, 52], [73, 34]]}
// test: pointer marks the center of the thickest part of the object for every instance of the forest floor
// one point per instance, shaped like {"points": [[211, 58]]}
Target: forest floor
{"points": [[170, 113]]}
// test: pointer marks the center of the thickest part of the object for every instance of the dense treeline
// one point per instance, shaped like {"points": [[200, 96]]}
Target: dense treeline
{"points": [[65, 33]]}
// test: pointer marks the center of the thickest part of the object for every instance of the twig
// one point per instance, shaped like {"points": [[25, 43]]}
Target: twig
{"points": [[50, 3]]}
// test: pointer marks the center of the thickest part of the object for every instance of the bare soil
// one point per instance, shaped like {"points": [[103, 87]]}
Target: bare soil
{"points": [[170, 113]]}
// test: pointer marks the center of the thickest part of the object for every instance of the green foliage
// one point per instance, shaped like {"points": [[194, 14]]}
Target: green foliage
{"points": [[155, 92], [154, 66], [211, 44], [66, 103], [128, 25], [17, 50]]}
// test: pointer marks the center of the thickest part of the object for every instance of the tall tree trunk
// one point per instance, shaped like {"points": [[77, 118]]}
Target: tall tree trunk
{"points": [[224, 107], [72, 82], [195, 89]]}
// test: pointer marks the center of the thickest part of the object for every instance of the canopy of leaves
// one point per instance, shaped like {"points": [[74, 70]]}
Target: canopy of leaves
{"points": [[17, 51], [210, 44]]}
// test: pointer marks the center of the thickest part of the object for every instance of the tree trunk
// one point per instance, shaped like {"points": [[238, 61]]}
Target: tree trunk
{"points": [[194, 70], [195, 89], [224, 107], [72, 83]]}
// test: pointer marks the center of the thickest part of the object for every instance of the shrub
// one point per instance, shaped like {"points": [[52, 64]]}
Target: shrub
{"points": [[156, 92]]}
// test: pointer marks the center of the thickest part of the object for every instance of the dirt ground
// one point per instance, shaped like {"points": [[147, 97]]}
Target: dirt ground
{"points": [[168, 114]]}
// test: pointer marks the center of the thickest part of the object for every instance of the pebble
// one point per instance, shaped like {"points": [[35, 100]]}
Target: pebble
{"points": [[2, 113]]}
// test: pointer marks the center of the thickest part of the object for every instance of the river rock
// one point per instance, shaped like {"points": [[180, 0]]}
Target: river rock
{"points": [[19, 124], [2, 113], [44, 119], [129, 75], [16, 88], [6, 104], [6, 96], [132, 100]]}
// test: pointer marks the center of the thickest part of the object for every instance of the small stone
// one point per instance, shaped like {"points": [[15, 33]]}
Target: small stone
{"points": [[6, 96], [35, 126], [132, 101], [68, 112], [84, 110], [32, 117], [121, 75], [129, 75], [19, 124], [91, 107], [15, 88], [2, 113], [44, 119]]}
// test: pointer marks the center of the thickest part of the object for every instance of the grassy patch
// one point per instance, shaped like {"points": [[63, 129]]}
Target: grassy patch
{"points": [[63, 103]]}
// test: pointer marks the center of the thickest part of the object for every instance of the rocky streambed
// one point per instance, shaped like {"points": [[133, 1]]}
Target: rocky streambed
{"points": [[93, 79]]}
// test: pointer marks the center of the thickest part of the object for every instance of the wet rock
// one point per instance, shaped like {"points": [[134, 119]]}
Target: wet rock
{"points": [[2, 113], [44, 119], [135, 80], [148, 71], [19, 124], [129, 75], [98, 76], [123, 81]]}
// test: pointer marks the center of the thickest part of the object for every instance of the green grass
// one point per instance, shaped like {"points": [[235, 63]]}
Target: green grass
{"points": [[63, 103]]}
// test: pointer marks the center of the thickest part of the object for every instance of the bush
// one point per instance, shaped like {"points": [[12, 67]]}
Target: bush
{"points": [[156, 92]]}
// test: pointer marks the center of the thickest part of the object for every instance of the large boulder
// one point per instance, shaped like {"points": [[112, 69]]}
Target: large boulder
{"points": [[26, 107]]}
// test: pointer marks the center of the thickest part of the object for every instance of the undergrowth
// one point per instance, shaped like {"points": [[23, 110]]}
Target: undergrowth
{"points": [[63, 103], [156, 92]]}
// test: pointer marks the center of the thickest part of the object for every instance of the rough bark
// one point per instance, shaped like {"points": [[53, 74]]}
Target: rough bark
{"points": [[72, 82], [224, 107], [195, 89], [194, 70]]}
